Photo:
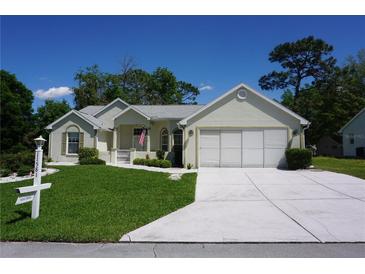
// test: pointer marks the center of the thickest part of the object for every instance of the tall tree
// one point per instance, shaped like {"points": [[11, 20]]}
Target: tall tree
{"points": [[48, 113], [132, 85], [91, 85], [16, 111], [307, 60]]}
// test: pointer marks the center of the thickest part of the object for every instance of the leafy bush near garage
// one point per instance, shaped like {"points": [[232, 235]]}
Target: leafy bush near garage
{"points": [[152, 162], [298, 158], [88, 153], [92, 161]]}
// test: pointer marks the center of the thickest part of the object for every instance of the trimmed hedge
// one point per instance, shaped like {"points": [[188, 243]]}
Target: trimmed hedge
{"points": [[92, 161], [298, 158], [24, 170], [88, 153], [152, 162]]}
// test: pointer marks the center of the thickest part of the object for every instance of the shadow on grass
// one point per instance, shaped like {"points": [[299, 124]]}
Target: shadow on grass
{"points": [[22, 215]]}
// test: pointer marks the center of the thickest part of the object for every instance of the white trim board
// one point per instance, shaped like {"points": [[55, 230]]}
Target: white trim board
{"points": [[68, 114], [288, 111]]}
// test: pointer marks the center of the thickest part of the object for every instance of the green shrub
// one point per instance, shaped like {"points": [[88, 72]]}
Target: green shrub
{"points": [[165, 163], [160, 154], [5, 172], [24, 170], [92, 161], [147, 156], [88, 153], [298, 158], [189, 166], [139, 161], [152, 162], [14, 161]]}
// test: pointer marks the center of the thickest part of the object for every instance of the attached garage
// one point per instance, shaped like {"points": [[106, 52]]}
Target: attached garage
{"points": [[246, 147]]}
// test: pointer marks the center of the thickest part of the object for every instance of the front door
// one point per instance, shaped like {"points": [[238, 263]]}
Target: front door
{"points": [[177, 148]]}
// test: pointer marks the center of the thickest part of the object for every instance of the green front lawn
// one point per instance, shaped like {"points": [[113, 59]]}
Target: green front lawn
{"points": [[352, 167], [93, 204]]}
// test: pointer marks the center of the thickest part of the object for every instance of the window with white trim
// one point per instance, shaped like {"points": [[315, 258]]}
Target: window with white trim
{"points": [[164, 140], [73, 142]]}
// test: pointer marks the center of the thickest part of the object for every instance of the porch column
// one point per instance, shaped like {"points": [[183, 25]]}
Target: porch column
{"points": [[113, 153], [148, 141], [115, 137]]}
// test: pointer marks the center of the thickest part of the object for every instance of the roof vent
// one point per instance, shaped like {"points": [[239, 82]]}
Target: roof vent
{"points": [[241, 94]]}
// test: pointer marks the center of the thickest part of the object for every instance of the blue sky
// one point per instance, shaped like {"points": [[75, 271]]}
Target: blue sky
{"points": [[217, 52]]}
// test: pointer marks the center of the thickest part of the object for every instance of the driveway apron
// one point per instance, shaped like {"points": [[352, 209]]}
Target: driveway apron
{"points": [[264, 205]]}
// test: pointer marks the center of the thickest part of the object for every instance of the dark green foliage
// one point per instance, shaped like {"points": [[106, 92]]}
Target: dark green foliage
{"points": [[24, 170], [132, 85], [4, 172], [152, 162], [15, 112], [97, 204], [298, 158], [87, 153], [165, 163], [139, 161], [189, 166], [14, 161], [314, 87], [160, 154], [305, 59], [92, 161], [47, 114]]}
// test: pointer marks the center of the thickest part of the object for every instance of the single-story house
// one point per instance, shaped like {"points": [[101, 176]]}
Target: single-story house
{"points": [[353, 136], [330, 146], [241, 128]]}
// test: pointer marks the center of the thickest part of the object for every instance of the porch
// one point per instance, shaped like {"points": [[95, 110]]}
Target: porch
{"points": [[158, 135]]}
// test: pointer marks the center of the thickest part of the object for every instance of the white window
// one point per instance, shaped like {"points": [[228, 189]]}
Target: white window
{"points": [[137, 132], [73, 142], [164, 140]]}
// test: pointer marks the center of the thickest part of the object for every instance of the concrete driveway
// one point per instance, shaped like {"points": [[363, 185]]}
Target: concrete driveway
{"points": [[265, 205]]}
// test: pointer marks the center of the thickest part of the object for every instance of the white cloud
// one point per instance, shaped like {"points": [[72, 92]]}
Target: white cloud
{"points": [[205, 87], [54, 92]]}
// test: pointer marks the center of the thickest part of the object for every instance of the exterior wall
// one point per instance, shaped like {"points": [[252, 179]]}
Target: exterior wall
{"points": [[131, 118], [356, 127], [105, 139], [110, 112], [125, 136], [232, 112], [56, 137]]}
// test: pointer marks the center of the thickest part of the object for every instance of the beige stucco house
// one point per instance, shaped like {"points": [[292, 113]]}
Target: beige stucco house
{"points": [[242, 128], [353, 136]]}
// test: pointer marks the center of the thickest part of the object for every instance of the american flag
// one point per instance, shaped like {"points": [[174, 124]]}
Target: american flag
{"points": [[141, 137]]}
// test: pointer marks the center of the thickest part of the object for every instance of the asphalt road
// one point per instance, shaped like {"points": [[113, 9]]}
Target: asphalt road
{"points": [[181, 250]]}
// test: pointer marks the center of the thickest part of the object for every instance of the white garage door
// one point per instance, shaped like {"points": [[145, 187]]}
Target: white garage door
{"points": [[243, 148]]}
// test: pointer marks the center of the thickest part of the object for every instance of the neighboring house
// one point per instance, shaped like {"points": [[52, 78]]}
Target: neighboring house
{"points": [[242, 128], [353, 136], [329, 146]]}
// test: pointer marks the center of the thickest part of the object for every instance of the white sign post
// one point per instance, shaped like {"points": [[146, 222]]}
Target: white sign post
{"points": [[34, 192]]}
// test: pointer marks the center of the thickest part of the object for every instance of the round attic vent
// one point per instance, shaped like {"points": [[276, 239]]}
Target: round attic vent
{"points": [[241, 94]]}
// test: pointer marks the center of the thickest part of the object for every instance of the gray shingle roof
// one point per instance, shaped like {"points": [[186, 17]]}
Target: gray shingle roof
{"points": [[168, 111], [94, 120], [91, 110], [155, 112]]}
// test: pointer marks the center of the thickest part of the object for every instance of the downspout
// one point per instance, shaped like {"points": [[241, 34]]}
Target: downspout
{"points": [[302, 139]]}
